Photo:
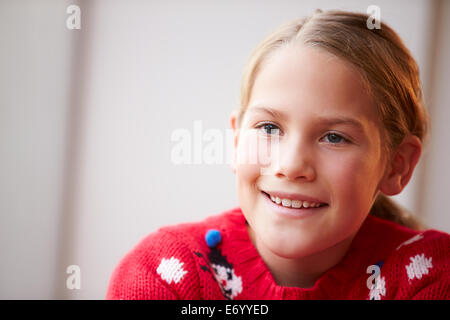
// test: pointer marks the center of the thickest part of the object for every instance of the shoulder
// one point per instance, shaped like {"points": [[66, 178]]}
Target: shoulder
{"points": [[418, 267], [162, 265]]}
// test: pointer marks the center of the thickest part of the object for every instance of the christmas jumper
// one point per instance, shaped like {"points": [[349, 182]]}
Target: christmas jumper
{"points": [[176, 262]]}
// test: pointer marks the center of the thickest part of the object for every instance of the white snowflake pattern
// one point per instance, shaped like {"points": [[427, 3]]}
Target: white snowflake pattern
{"points": [[413, 239], [171, 270], [378, 289], [418, 267]]}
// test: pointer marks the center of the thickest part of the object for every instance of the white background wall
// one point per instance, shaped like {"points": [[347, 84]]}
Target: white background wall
{"points": [[86, 118], [35, 72]]}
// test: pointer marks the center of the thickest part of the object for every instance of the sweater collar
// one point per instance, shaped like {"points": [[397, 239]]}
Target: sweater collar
{"points": [[259, 282]]}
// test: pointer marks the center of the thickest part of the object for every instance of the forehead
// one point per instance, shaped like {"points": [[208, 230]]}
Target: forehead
{"points": [[310, 80]]}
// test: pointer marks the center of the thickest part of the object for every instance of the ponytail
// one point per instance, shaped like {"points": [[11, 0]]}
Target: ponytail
{"points": [[386, 208]]}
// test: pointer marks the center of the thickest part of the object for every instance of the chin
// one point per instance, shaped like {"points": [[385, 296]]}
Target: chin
{"points": [[289, 249]]}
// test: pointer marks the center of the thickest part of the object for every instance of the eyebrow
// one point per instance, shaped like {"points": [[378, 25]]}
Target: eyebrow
{"points": [[326, 120], [274, 113]]}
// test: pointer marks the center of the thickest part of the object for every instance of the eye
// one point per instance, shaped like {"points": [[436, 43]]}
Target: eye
{"points": [[335, 138], [269, 128]]}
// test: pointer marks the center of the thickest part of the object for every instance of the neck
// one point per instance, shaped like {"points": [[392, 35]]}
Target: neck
{"points": [[302, 272]]}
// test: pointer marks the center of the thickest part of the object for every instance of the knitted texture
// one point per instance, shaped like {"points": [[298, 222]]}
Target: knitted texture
{"points": [[175, 262]]}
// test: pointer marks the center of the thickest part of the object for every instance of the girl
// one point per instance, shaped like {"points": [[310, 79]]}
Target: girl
{"points": [[337, 109]]}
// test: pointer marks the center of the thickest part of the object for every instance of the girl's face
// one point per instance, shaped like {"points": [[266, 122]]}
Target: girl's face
{"points": [[324, 142]]}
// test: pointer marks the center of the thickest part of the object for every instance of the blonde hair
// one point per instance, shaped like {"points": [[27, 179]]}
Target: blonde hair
{"points": [[388, 71]]}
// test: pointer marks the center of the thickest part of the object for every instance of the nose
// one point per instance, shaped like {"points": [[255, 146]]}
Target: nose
{"points": [[295, 161]]}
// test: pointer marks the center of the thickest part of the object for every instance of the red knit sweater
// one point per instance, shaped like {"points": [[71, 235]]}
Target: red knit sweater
{"points": [[175, 262]]}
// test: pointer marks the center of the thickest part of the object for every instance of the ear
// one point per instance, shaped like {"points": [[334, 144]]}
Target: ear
{"points": [[233, 124], [400, 167]]}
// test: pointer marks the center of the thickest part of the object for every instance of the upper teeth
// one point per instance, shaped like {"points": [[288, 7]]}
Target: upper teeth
{"points": [[295, 203]]}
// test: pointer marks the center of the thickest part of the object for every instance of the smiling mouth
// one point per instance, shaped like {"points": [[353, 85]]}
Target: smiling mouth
{"points": [[294, 204]]}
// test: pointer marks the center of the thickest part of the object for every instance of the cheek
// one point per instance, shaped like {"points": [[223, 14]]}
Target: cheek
{"points": [[247, 167], [353, 177], [248, 171]]}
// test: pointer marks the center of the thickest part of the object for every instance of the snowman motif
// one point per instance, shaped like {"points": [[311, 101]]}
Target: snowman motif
{"points": [[217, 264], [229, 282]]}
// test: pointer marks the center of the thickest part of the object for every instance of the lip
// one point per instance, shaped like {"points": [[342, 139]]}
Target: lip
{"points": [[292, 212], [293, 196]]}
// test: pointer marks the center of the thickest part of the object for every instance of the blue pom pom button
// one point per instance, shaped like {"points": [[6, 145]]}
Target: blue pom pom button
{"points": [[213, 238]]}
